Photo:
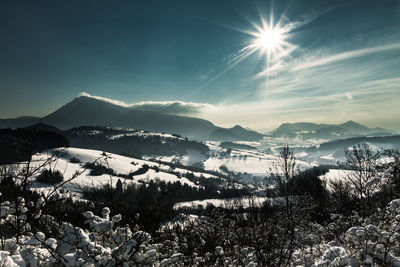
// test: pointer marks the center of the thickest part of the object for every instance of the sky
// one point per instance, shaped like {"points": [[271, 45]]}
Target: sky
{"points": [[323, 61]]}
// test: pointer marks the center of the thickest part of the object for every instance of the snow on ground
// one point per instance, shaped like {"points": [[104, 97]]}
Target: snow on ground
{"points": [[126, 132], [120, 164], [338, 175], [133, 132], [238, 160], [243, 162], [302, 154], [192, 157], [333, 176], [328, 157], [231, 202], [247, 161], [275, 143]]}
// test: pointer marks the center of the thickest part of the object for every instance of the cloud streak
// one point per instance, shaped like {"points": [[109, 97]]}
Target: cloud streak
{"points": [[105, 99], [346, 55], [165, 107], [171, 107]]}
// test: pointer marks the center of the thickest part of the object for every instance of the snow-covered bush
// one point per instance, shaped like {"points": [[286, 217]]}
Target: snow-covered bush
{"points": [[376, 241], [102, 243]]}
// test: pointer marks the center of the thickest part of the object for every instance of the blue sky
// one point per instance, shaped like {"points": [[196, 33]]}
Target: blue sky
{"points": [[342, 61]]}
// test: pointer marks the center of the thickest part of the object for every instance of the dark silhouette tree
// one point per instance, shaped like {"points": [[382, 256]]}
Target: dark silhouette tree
{"points": [[119, 186]]}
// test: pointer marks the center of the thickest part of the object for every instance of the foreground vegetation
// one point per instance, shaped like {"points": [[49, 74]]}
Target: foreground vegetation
{"points": [[352, 222]]}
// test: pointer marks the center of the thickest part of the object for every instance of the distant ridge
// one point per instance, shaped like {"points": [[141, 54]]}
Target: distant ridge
{"points": [[306, 130], [88, 111], [18, 122]]}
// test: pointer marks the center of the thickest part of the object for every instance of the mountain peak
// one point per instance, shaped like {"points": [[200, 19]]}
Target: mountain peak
{"points": [[353, 126], [351, 123], [84, 98], [237, 127], [93, 111]]}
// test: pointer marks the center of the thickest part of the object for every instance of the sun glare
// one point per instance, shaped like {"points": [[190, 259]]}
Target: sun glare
{"points": [[268, 39]]}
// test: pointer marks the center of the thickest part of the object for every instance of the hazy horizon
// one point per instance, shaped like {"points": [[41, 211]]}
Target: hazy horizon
{"points": [[257, 64], [190, 109]]}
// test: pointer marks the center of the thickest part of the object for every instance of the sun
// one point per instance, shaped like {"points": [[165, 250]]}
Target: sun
{"points": [[269, 39]]}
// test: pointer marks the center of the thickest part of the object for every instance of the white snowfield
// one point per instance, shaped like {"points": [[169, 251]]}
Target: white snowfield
{"points": [[120, 164], [129, 132], [334, 176], [245, 202], [144, 134], [242, 161], [245, 161], [338, 175], [192, 157]]}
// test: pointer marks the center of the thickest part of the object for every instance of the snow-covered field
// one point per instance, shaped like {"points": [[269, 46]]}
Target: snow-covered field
{"points": [[245, 202], [128, 132], [120, 164], [249, 166], [345, 176], [334, 176], [192, 157], [246, 162]]}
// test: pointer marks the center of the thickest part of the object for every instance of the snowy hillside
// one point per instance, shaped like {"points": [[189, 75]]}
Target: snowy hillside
{"points": [[247, 165], [244, 202], [120, 164]]}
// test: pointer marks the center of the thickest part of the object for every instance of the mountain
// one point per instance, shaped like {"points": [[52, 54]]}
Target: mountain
{"points": [[88, 111], [236, 133], [222, 134], [306, 130], [91, 112], [245, 134]]}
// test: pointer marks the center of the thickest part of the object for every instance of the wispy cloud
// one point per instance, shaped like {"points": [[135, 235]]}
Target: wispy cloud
{"points": [[165, 107], [171, 107], [325, 72], [346, 55], [105, 99]]}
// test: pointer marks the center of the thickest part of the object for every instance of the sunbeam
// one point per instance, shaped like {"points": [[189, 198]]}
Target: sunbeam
{"points": [[268, 38]]}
